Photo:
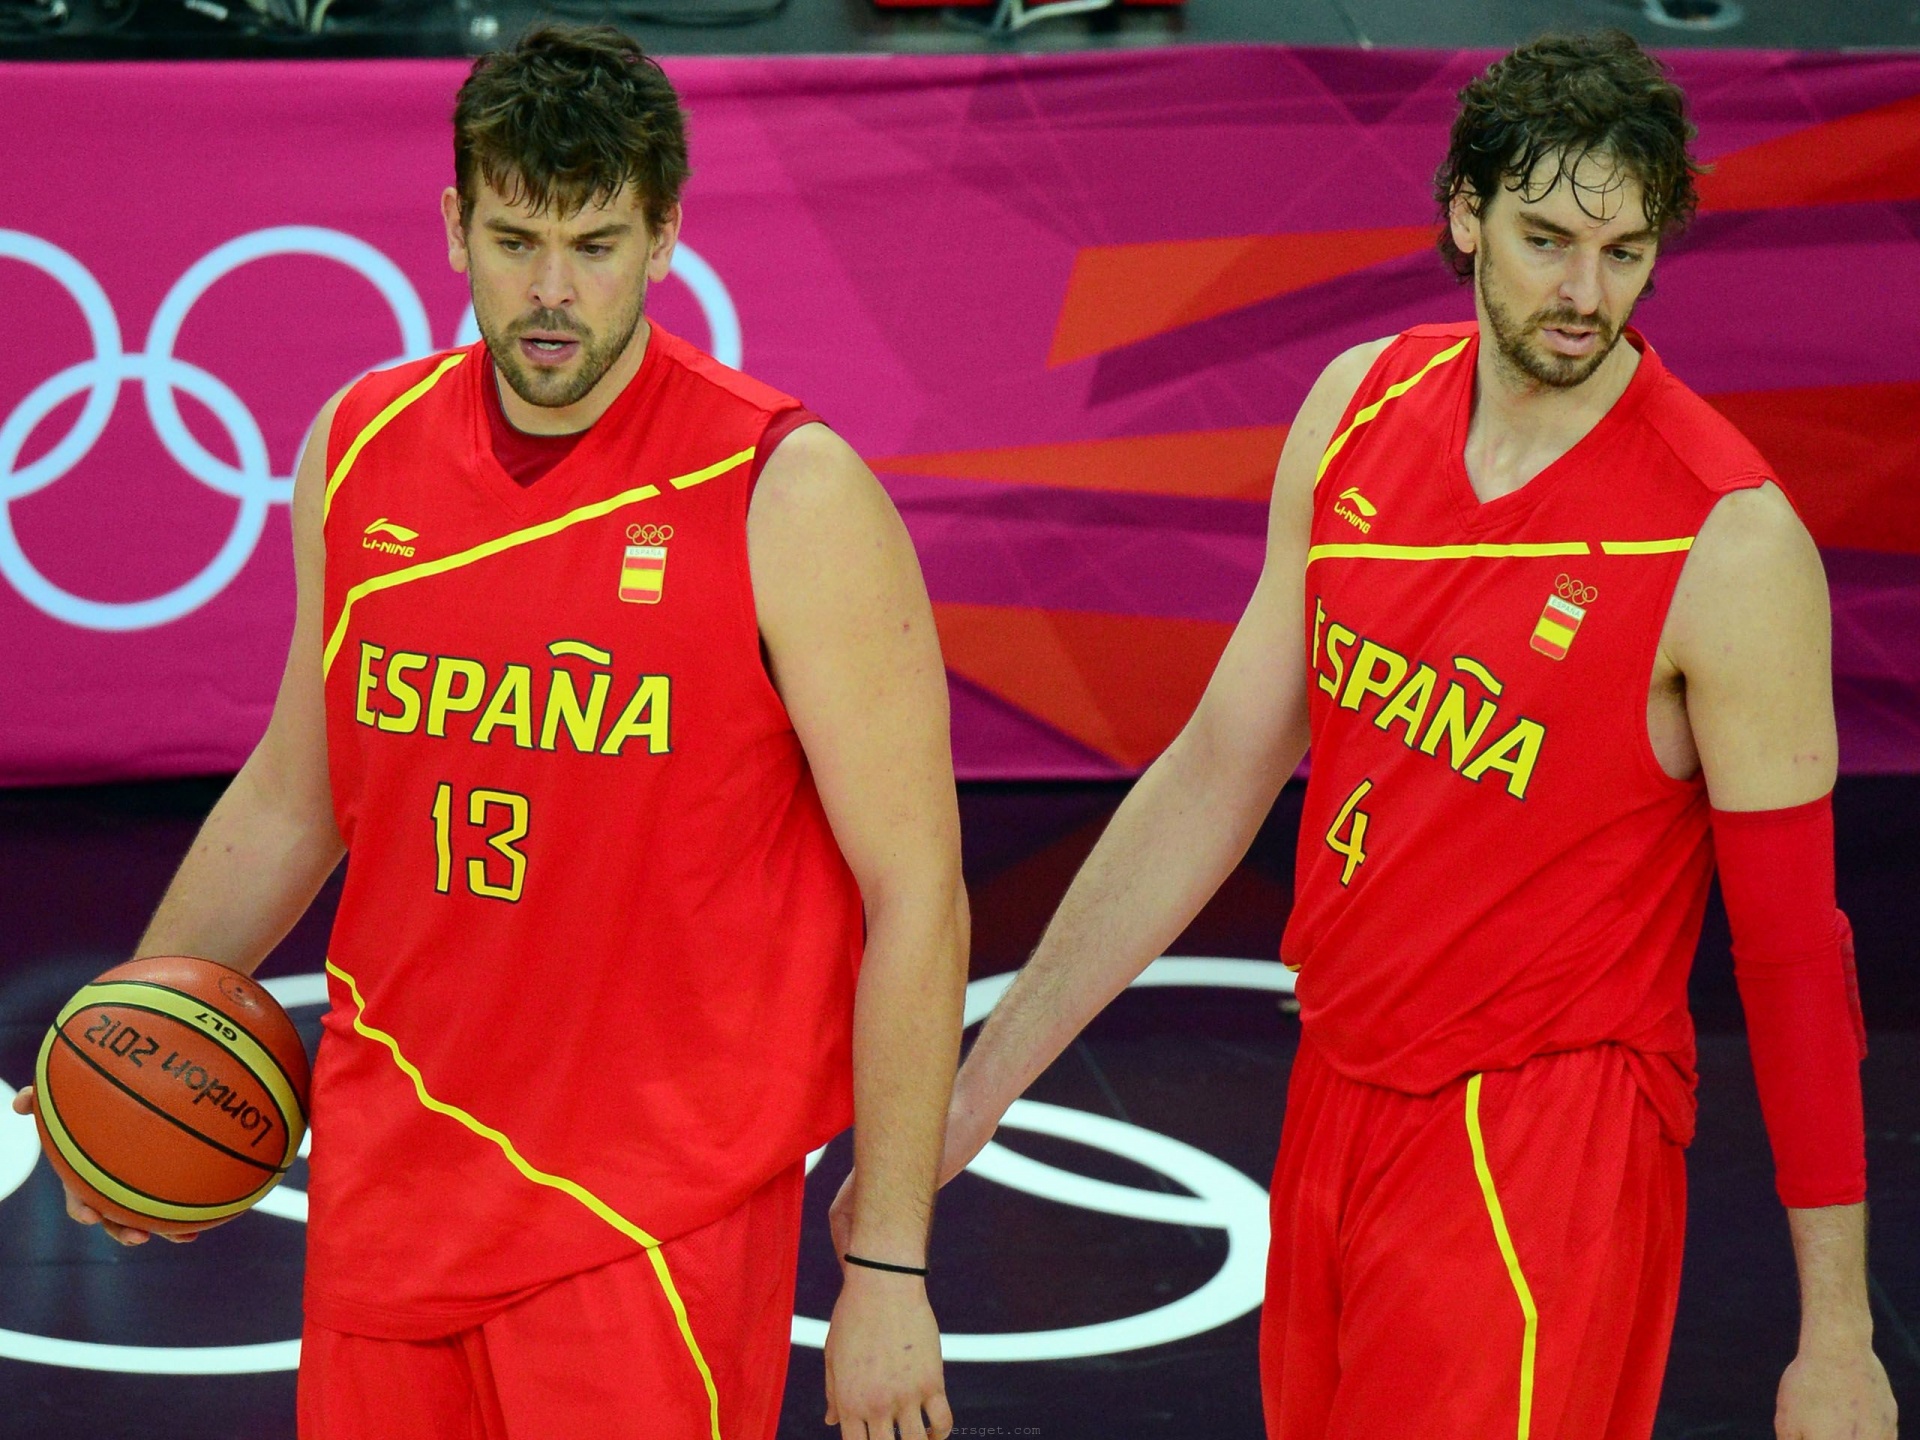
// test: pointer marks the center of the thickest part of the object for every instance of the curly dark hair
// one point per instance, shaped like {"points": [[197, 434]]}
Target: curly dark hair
{"points": [[568, 116], [1569, 96]]}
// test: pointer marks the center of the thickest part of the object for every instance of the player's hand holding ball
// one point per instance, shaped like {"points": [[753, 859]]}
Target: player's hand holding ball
{"points": [[170, 1095]]}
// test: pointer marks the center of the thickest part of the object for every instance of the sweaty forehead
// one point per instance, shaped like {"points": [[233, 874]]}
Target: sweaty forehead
{"points": [[1583, 192]]}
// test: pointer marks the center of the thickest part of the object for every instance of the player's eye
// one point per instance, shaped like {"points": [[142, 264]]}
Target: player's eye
{"points": [[1626, 257], [595, 251], [1543, 242]]}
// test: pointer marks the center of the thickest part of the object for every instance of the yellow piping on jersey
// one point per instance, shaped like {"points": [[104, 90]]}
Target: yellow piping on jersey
{"points": [[1363, 551], [514, 538], [1530, 1336], [567, 1187], [379, 423], [1646, 547], [1394, 392]]}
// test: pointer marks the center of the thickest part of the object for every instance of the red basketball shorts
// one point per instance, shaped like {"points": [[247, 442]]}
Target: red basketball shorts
{"points": [[1501, 1258], [601, 1354]]}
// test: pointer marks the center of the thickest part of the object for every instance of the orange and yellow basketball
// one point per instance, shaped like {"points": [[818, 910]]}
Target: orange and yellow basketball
{"points": [[172, 1093]]}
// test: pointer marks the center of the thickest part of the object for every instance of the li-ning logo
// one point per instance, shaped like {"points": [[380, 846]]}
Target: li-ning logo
{"points": [[1362, 510], [1560, 619], [398, 545]]}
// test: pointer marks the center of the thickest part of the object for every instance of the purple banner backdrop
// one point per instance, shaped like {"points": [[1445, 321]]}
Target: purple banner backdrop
{"points": [[1066, 306]]}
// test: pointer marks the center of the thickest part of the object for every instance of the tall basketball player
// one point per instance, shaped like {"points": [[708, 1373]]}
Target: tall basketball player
{"points": [[1556, 638], [614, 676]]}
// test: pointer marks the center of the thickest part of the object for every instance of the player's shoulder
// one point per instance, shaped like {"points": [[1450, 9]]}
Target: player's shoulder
{"points": [[692, 366], [1363, 372], [365, 399], [1369, 368], [1704, 444]]}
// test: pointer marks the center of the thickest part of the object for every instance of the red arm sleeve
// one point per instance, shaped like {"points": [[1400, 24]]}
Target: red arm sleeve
{"points": [[1793, 962]]}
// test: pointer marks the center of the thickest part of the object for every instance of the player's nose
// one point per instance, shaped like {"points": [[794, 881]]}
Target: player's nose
{"points": [[1580, 281]]}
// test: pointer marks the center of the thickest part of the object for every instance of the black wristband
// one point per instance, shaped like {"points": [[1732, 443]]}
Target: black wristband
{"points": [[852, 1259]]}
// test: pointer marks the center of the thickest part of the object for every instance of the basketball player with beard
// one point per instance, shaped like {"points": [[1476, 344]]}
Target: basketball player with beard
{"points": [[1556, 638], [614, 676]]}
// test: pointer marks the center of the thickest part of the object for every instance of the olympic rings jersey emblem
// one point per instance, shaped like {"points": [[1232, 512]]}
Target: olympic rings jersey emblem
{"points": [[162, 376], [1571, 590], [649, 534]]}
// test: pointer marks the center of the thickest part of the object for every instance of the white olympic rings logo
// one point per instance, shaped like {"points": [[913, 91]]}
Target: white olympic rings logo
{"points": [[1222, 1199], [162, 374]]}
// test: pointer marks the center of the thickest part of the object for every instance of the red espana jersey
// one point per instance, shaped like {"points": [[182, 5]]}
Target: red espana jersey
{"points": [[1492, 864], [592, 977]]}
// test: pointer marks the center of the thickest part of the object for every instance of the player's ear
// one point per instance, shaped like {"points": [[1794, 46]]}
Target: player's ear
{"points": [[661, 239], [456, 230], [1463, 218]]}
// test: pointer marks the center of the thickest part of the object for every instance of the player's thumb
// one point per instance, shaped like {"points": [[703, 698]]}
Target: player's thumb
{"points": [[23, 1102]]}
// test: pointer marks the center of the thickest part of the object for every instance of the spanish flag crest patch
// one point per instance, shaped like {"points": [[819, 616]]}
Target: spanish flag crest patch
{"points": [[1560, 618], [643, 569]]}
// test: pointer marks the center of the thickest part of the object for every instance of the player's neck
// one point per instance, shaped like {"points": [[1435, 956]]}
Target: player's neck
{"points": [[531, 419], [1519, 427]]}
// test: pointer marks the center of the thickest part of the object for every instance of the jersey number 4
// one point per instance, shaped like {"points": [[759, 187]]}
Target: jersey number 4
{"points": [[1353, 820], [484, 808]]}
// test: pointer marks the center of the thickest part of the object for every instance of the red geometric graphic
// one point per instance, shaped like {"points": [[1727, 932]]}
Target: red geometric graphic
{"points": [[1872, 155], [1230, 464], [1119, 294], [1119, 684]]}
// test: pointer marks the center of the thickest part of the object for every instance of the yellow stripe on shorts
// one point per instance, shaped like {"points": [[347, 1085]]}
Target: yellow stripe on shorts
{"points": [[1505, 1242]]}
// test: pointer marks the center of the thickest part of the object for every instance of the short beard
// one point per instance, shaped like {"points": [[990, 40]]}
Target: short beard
{"points": [[548, 389], [1512, 337]]}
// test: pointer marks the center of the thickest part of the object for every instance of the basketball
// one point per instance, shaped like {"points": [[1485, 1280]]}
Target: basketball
{"points": [[172, 1093]]}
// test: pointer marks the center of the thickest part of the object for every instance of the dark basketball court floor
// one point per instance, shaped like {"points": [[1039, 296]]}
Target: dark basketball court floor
{"points": [[1098, 1279]]}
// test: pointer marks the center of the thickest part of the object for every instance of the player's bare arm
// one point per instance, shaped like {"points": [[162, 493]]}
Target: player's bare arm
{"points": [[852, 650], [270, 842], [1746, 650], [1190, 818]]}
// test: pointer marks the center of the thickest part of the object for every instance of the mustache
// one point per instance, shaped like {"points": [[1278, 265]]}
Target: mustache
{"points": [[549, 320], [1545, 319]]}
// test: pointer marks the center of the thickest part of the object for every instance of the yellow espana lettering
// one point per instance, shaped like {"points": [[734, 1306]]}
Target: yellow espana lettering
{"points": [[362, 711], [1364, 681], [646, 714], [1337, 635], [1514, 752], [409, 717], [1451, 720], [1319, 624], [1409, 705], [512, 706], [442, 700], [563, 708]]}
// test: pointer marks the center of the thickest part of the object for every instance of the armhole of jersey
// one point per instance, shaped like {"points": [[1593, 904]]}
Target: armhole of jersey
{"points": [[779, 425], [1356, 402]]}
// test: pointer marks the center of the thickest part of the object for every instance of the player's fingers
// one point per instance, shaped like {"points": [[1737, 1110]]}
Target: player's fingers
{"points": [[125, 1234], [853, 1430], [23, 1102], [939, 1416], [186, 1239], [833, 1410], [78, 1209], [909, 1424]]}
